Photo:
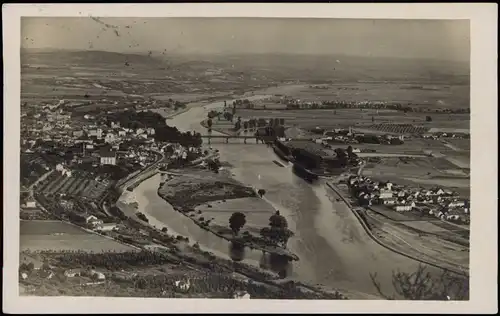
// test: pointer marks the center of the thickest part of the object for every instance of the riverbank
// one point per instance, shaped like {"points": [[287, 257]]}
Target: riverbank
{"points": [[160, 214], [417, 256], [333, 247], [187, 193]]}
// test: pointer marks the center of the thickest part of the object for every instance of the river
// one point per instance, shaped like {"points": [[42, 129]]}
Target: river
{"points": [[333, 247]]}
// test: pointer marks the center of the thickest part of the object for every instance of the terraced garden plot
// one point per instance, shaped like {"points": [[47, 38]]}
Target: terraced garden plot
{"points": [[73, 186], [94, 190], [64, 188], [81, 187], [55, 184]]}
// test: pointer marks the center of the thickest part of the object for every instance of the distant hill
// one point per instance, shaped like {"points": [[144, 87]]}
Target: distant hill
{"points": [[309, 68], [86, 58]]}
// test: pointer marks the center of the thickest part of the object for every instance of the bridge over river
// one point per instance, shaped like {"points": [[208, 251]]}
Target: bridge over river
{"points": [[238, 139]]}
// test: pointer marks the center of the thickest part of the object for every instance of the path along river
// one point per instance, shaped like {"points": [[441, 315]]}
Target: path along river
{"points": [[334, 249]]}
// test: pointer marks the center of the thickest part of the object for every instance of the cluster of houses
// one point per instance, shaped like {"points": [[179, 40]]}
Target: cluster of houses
{"points": [[46, 271], [112, 135], [98, 225], [444, 204], [437, 135]]}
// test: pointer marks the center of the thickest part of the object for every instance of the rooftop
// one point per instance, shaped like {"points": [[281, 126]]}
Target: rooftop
{"points": [[108, 153]]}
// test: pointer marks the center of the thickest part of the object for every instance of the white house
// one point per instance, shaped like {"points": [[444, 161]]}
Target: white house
{"points": [[110, 137], [385, 194], [96, 132], [456, 204], [389, 202], [388, 185], [438, 192], [241, 295], [31, 204], [98, 275], [151, 131], [78, 133], [453, 217], [108, 157], [122, 133], [71, 273], [107, 227], [183, 285], [406, 207], [94, 221]]}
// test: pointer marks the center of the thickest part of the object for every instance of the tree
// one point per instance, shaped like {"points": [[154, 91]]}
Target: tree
{"points": [[421, 285], [45, 266], [141, 284], [237, 221], [276, 122], [277, 231], [209, 123], [261, 192], [428, 118], [30, 266], [245, 125], [278, 221], [94, 277]]}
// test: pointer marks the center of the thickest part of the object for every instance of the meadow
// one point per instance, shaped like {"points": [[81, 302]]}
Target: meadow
{"points": [[60, 236]]}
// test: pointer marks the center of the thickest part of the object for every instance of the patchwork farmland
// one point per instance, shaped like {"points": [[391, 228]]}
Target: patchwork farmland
{"points": [[61, 236], [398, 128], [80, 185]]}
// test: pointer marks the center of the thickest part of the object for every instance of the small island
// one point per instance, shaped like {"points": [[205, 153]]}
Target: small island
{"points": [[228, 209]]}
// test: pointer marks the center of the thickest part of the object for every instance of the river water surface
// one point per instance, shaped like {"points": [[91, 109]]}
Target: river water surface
{"points": [[333, 247]]}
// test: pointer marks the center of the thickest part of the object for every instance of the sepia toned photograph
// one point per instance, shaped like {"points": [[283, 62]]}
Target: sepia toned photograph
{"points": [[271, 158]]}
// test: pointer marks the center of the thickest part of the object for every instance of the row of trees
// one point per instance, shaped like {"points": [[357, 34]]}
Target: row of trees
{"points": [[112, 260], [277, 232], [336, 104], [163, 132], [276, 124]]}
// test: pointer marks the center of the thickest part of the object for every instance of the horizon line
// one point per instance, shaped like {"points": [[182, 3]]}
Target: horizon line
{"points": [[176, 53]]}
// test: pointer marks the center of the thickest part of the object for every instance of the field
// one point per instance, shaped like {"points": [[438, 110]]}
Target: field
{"points": [[198, 187], [422, 239], [427, 94], [256, 210], [60, 236], [401, 216], [93, 75], [361, 119], [79, 186]]}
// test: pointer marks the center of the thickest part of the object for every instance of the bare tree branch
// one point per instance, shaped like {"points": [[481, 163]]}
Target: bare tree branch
{"points": [[421, 285]]}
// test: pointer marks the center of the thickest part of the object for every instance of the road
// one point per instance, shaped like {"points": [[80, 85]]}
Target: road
{"points": [[459, 270], [149, 168]]}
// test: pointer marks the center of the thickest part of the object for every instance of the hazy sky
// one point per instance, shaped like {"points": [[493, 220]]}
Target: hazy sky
{"points": [[448, 40]]}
